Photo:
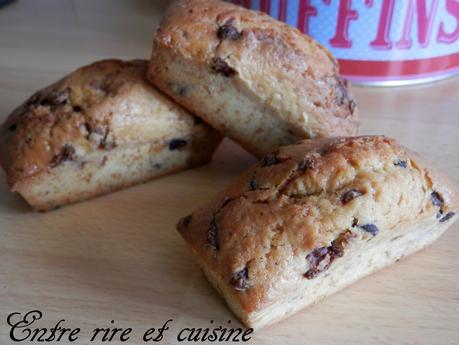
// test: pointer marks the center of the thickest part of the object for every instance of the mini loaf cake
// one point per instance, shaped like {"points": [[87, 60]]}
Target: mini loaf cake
{"points": [[101, 128], [256, 80], [312, 218]]}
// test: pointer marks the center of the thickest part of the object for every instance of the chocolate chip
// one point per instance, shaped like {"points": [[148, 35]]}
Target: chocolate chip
{"points": [[371, 228], [212, 235], [219, 65], [254, 184], [318, 104], [351, 195], [67, 154], [338, 245], [320, 259], [355, 221], [401, 163], [197, 120], [180, 90], [447, 217], [316, 256], [177, 144], [56, 98], [269, 160], [187, 220], [437, 199], [77, 109], [308, 163], [13, 127], [240, 279], [228, 32]]}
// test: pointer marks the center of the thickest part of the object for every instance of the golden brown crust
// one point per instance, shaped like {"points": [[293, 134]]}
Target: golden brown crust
{"points": [[106, 105], [275, 226], [281, 69]]}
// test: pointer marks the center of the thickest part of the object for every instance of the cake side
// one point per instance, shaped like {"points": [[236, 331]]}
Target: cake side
{"points": [[211, 56], [290, 230], [99, 174], [360, 262]]}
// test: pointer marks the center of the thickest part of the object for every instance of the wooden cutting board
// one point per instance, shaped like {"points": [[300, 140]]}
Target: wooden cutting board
{"points": [[119, 257]]}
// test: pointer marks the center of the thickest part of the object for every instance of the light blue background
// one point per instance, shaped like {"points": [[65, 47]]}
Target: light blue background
{"points": [[363, 30]]}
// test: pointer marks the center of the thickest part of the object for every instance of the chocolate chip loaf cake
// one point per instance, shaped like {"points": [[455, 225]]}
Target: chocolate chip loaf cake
{"points": [[314, 217], [101, 128], [256, 80]]}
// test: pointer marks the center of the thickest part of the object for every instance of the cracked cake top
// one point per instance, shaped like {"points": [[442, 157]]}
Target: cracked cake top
{"points": [[291, 215]]}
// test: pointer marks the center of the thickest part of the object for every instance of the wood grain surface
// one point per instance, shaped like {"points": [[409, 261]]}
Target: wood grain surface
{"points": [[119, 257]]}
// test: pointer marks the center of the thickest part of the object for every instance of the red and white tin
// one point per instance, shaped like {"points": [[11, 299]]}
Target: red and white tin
{"points": [[378, 42]]}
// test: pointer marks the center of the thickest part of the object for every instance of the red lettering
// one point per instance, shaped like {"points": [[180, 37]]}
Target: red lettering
{"points": [[453, 8], [245, 3], [265, 5], [382, 40], [425, 21], [405, 41], [345, 15], [306, 11], [283, 10]]}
